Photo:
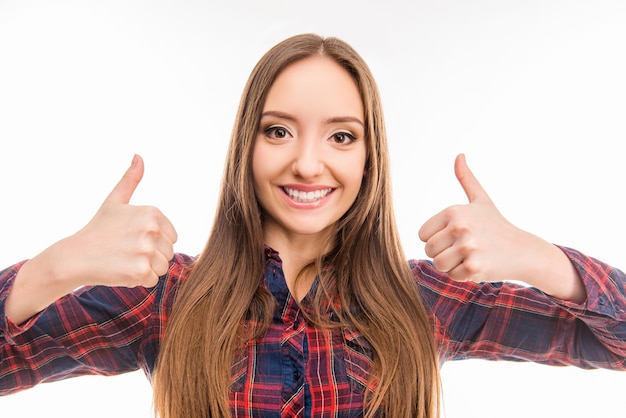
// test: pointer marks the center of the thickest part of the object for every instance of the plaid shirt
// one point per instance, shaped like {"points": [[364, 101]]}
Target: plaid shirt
{"points": [[299, 370]]}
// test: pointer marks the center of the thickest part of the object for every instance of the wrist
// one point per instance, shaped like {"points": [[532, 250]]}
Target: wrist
{"points": [[557, 276], [39, 282]]}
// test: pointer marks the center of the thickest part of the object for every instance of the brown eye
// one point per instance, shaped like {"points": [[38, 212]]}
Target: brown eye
{"points": [[277, 132], [343, 138]]}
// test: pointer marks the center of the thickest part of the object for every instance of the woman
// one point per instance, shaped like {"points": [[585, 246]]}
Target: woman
{"points": [[302, 302]]}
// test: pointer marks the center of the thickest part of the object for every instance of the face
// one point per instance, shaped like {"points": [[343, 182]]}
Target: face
{"points": [[309, 156]]}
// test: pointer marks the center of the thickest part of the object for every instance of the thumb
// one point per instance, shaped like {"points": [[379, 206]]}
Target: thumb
{"points": [[124, 189], [472, 188]]}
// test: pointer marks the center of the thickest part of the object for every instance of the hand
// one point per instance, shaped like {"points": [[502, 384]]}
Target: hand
{"points": [[474, 242], [122, 245]]}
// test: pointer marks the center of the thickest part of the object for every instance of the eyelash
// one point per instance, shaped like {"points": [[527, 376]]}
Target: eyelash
{"points": [[345, 135], [271, 132]]}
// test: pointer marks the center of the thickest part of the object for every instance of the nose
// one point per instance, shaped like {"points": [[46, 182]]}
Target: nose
{"points": [[308, 161]]}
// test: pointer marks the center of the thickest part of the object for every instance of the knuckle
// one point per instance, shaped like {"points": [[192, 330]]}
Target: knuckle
{"points": [[472, 266], [438, 264], [453, 212], [428, 249], [142, 270], [151, 211], [163, 268], [150, 281], [151, 227], [459, 228], [145, 248], [150, 217], [466, 244]]}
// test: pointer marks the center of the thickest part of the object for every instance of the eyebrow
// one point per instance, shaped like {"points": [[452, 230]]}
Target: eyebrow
{"points": [[334, 119]]}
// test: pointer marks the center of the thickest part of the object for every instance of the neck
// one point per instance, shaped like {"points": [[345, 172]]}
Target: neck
{"points": [[296, 251]]}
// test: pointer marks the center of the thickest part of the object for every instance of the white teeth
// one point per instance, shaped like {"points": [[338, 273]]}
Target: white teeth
{"points": [[302, 196]]}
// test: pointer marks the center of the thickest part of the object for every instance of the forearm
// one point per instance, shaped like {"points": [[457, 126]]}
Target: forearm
{"points": [[552, 272], [601, 342], [504, 321], [93, 330], [38, 283]]}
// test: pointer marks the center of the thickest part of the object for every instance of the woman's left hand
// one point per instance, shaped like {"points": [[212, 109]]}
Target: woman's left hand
{"points": [[474, 242]]}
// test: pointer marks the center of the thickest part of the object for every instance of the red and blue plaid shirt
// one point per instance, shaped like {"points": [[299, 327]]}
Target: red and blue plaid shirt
{"points": [[297, 370]]}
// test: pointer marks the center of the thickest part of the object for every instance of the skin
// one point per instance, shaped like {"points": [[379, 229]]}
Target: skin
{"points": [[311, 138], [122, 245], [126, 245], [474, 242]]}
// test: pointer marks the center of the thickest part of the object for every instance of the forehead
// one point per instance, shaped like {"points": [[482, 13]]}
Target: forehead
{"points": [[316, 84]]}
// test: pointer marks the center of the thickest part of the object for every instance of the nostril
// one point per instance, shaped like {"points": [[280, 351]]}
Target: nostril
{"points": [[307, 168]]}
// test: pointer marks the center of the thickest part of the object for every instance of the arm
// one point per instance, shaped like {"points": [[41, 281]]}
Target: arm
{"points": [[475, 243], [95, 330], [474, 248], [49, 331], [506, 321]]}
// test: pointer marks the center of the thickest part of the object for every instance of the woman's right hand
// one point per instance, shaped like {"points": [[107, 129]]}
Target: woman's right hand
{"points": [[122, 245]]}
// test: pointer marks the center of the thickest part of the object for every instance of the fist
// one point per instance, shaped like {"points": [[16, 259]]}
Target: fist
{"points": [[472, 242], [123, 245]]}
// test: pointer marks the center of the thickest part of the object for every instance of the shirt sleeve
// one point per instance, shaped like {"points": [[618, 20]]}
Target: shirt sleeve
{"points": [[508, 321], [95, 330]]}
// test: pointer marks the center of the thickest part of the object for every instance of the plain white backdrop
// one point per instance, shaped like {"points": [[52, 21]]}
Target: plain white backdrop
{"points": [[532, 91]]}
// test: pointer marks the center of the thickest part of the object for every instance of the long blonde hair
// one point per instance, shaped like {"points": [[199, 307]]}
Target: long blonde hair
{"points": [[365, 271]]}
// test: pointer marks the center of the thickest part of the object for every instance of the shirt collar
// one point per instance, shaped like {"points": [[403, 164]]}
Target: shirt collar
{"points": [[271, 254]]}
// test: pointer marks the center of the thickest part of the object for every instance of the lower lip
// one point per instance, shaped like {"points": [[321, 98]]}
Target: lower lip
{"points": [[306, 205]]}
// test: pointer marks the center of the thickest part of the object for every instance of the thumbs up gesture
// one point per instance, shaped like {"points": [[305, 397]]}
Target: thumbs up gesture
{"points": [[474, 242], [124, 245]]}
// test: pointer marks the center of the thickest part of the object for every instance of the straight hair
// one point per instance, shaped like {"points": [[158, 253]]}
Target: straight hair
{"points": [[363, 275]]}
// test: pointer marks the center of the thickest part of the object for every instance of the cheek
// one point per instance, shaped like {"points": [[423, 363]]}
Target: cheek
{"points": [[259, 165], [352, 172], [265, 171]]}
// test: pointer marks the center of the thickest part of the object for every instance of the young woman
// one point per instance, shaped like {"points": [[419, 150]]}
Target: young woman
{"points": [[302, 302]]}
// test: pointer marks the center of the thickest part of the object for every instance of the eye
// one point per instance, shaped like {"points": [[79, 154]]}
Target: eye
{"points": [[343, 138], [277, 132]]}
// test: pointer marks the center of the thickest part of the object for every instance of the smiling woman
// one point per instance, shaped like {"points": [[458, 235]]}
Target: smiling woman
{"points": [[314, 294], [309, 157], [325, 316], [302, 302]]}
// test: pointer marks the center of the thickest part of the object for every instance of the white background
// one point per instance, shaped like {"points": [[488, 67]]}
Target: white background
{"points": [[532, 91]]}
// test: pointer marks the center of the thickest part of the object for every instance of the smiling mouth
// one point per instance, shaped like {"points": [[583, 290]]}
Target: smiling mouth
{"points": [[307, 197]]}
